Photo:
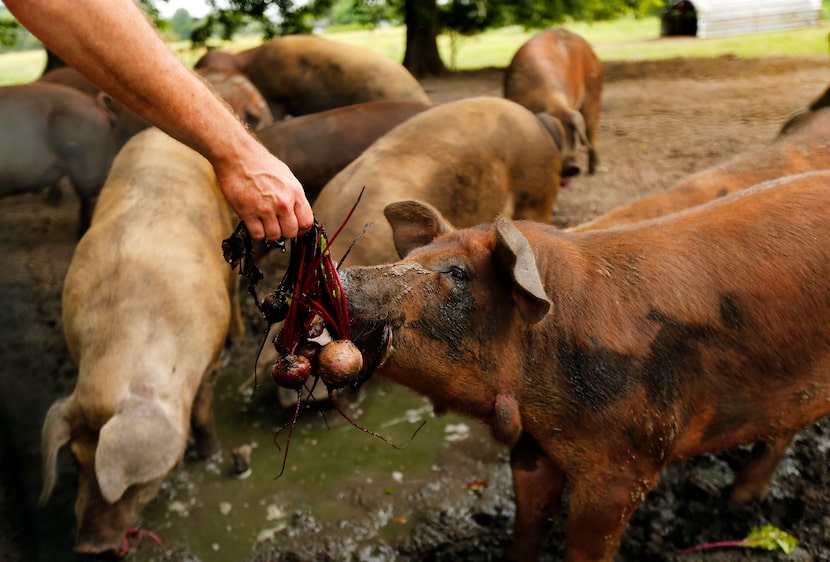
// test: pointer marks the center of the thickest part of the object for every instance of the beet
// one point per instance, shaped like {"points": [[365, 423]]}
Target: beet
{"points": [[339, 364], [291, 371]]}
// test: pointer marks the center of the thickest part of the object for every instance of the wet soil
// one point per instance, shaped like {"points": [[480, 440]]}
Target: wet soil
{"points": [[660, 121]]}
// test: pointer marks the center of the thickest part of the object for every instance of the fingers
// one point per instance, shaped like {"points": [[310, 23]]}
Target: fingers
{"points": [[274, 227], [304, 216]]}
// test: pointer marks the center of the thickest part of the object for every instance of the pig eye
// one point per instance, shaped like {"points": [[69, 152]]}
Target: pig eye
{"points": [[458, 273]]}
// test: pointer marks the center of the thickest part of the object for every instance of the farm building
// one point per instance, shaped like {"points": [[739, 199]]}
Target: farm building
{"points": [[717, 18]]}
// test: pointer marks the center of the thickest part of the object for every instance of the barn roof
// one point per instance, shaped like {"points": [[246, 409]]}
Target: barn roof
{"points": [[716, 18]]}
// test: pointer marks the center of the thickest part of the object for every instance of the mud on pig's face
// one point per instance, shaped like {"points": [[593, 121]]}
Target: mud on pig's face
{"points": [[452, 311]]}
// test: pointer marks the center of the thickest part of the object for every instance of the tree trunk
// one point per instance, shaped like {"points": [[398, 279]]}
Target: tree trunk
{"points": [[421, 57]]}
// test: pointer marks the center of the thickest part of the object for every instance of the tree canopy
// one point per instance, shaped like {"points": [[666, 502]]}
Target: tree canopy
{"points": [[425, 20]]}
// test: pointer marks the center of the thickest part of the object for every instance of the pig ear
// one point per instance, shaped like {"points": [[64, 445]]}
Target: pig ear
{"points": [[56, 433], [554, 127], [513, 253], [414, 224], [105, 103], [137, 445]]}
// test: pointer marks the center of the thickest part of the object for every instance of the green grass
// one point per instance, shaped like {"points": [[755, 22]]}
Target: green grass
{"points": [[624, 39], [24, 66]]}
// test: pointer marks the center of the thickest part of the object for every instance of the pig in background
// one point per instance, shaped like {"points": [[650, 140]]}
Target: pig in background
{"points": [[148, 305], [301, 74], [508, 163], [50, 131], [601, 357], [62, 127], [245, 99], [557, 72]]}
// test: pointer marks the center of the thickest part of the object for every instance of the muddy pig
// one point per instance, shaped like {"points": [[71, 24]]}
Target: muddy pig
{"points": [[148, 303], [557, 71], [601, 357]]}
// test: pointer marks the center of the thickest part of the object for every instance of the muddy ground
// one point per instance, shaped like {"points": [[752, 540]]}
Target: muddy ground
{"points": [[660, 122]]}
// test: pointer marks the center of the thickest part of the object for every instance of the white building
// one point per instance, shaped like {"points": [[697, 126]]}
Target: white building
{"points": [[717, 18]]}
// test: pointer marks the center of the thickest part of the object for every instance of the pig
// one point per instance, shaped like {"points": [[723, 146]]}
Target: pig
{"points": [[318, 145], [806, 149], [148, 304], [557, 71], [216, 58], [301, 74], [600, 357], [510, 166], [246, 101], [798, 119], [68, 76], [52, 131]]}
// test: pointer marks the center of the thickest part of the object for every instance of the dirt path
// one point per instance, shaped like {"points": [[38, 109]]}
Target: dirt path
{"points": [[660, 122]]}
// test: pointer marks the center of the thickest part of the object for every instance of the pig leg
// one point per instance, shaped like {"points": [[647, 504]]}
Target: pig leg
{"points": [[753, 479], [538, 485], [201, 416], [236, 330], [600, 504]]}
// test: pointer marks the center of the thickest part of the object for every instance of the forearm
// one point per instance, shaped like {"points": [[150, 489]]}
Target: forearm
{"points": [[115, 45]]}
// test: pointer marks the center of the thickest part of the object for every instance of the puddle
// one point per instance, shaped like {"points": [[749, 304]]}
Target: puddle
{"points": [[219, 517]]}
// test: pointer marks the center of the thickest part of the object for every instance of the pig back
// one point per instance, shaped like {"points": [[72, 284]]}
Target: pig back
{"points": [[147, 236], [309, 74], [472, 159]]}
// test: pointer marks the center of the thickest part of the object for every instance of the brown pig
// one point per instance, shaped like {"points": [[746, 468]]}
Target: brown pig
{"points": [[148, 303], [300, 74], [318, 145], [557, 71], [509, 166], [601, 357], [803, 150], [804, 116], [216, 58], [246, 101]]}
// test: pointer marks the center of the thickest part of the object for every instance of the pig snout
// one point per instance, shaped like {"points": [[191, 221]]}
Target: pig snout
{"points": [[375, 297], [569, 169]]}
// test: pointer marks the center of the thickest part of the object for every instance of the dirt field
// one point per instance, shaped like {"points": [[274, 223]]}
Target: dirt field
{"points": [[660, 122]]}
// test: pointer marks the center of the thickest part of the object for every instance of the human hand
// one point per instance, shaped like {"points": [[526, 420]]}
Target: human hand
{"points": [[265, 194]]}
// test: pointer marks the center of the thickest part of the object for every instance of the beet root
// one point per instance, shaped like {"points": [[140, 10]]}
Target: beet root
{"points": [[291, 371], [339, 364]]}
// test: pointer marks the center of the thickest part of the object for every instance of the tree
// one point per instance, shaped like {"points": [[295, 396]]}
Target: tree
{"points": [[182, 24], [425, 20], [421, 57]]}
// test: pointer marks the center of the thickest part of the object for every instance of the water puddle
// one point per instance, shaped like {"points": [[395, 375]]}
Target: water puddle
{"points": [[220, 517]]}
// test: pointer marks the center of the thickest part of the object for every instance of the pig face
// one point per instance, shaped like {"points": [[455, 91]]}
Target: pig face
{"points": [[120, 468], [444, 304]]}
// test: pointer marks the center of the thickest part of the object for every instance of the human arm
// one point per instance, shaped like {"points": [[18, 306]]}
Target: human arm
{"points": [[113, 43]]}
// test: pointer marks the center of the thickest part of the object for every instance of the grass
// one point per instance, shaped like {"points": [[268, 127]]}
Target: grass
{"points": [[623, 39]]}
